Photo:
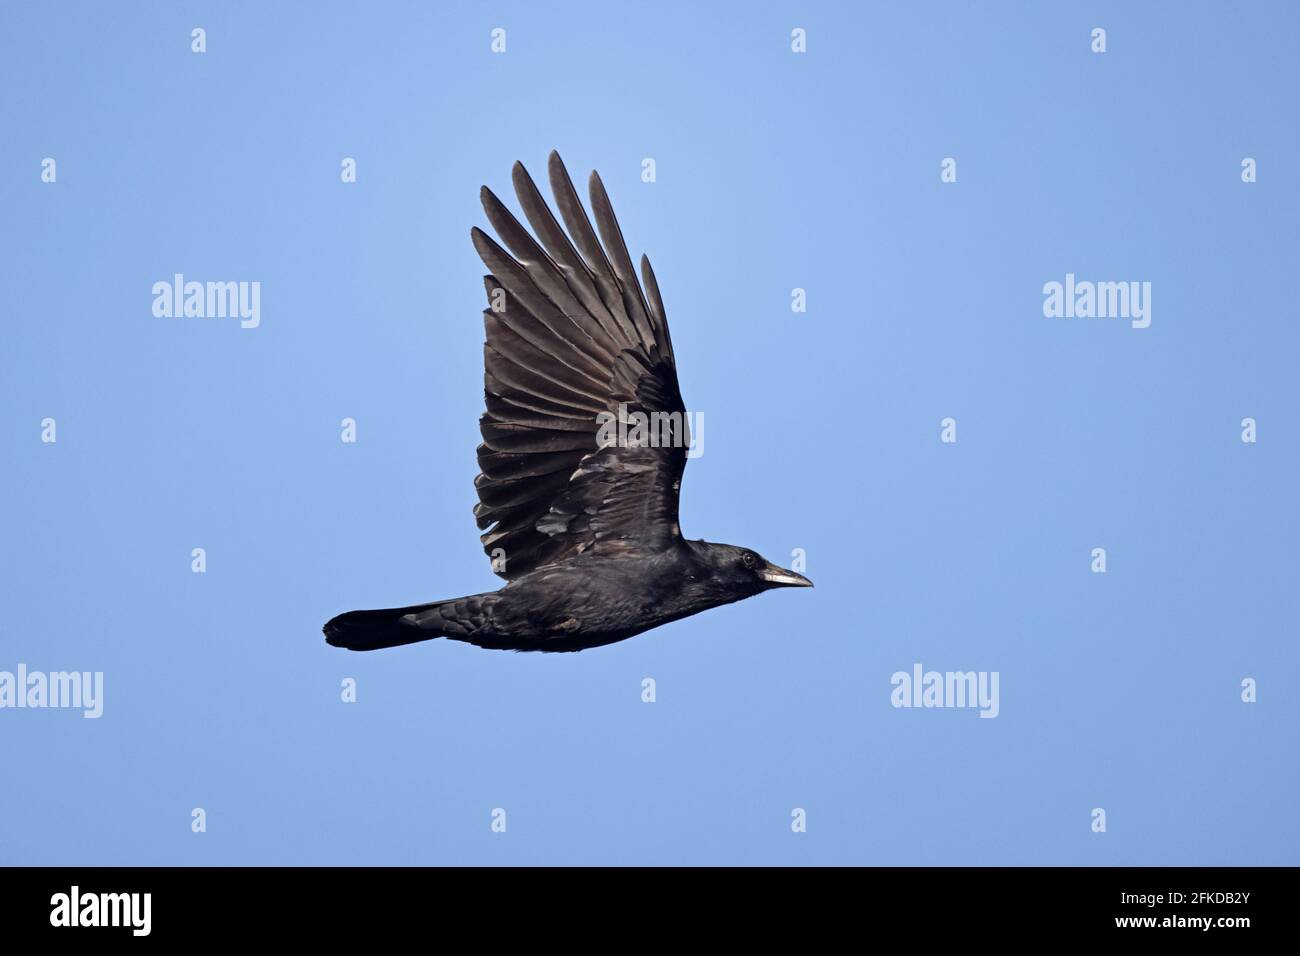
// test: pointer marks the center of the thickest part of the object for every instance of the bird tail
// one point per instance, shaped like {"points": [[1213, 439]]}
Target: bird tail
{"points": [[395, 626], [372, 630]]}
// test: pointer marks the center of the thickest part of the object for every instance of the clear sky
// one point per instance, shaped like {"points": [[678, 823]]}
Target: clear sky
{"points": [[775, 170]]}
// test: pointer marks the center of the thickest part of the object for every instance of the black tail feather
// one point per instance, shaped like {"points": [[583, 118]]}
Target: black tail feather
{"points": [[373, 630]]}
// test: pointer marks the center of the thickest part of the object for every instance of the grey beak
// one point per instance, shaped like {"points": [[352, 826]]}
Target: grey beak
{"points": [[781, 578]]}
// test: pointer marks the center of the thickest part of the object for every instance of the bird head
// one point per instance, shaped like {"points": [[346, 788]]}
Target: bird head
{"points": [[741, 570]]}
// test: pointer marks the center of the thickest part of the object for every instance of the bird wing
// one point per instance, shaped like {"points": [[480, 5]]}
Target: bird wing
{"points": [[571, 335]]}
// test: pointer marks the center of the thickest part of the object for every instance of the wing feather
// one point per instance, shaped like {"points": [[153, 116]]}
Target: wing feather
{"points": [[579, 226], [571, 342], [620, 261]]}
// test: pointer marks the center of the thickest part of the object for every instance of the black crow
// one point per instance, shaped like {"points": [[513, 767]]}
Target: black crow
{"points": [[577, 495]]}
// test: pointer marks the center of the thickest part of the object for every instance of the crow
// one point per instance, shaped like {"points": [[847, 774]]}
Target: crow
{"points": [[577, 498]]}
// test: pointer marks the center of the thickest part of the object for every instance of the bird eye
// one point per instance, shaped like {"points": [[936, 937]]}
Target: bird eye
{"points": [[748, 560]]}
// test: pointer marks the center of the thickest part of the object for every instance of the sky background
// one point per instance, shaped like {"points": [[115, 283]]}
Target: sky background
{"points": [[775, 171]]}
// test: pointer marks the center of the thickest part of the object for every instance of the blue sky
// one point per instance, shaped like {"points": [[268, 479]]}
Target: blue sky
{"points": [[775, 171]]}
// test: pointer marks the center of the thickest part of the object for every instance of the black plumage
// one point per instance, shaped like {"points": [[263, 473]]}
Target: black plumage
{"points": [[583, 529]]}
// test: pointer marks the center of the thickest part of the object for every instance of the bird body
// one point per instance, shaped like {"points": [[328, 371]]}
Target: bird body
{"points": [[586, 602], [581, 519]]}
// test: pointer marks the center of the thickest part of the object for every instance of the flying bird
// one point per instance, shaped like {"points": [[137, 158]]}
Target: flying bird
{"points": [[579, 517]]}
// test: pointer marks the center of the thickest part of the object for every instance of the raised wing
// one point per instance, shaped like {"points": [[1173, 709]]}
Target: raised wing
{"points": [[574, 346]]}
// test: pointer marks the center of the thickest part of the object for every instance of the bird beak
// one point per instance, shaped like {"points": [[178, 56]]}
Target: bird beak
{"points": [[781, 578]]}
